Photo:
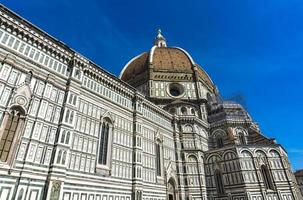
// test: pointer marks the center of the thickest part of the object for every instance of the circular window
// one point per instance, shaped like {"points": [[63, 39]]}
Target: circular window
{"points": [[175, 90]]}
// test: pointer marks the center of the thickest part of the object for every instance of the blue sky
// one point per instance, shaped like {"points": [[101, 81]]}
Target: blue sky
{"points": [[252, 49]]}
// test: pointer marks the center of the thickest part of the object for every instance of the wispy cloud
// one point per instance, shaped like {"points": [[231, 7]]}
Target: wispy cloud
{"points": [[115, 34], [296, 151]]}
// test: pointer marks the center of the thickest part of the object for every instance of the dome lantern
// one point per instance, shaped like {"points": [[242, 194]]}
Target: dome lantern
{"points": [[160, 41]]}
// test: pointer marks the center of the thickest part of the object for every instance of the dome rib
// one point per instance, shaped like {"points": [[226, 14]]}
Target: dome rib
{"points": [[135, 66], [172, 60]]}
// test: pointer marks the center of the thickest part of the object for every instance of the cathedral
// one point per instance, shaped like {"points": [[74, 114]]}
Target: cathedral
{"points": [[160, 131]]}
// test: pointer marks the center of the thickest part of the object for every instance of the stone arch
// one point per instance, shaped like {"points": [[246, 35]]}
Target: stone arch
{"points": [[191, 156], [201, 131], [219, 132], [225, 154], [219, 136], [274, 153], [188, 128], [18, 108], [261, 156], [211, 160], [21, 97], [241, 134], [172, 189], [240, 129], [107, 117], [260, 152], [158, 136], [246, 153]]}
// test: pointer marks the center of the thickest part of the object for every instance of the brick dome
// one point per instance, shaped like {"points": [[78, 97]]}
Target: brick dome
{"points": [[169, 60]]}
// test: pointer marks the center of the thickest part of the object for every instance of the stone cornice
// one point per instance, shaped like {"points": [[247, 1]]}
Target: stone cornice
{"points": [[33, 35], [192, 119], [12, 60]]}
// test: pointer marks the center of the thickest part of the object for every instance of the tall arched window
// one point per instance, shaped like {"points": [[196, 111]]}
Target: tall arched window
{"points": [[104, 146], [267, 178], [29, 77], [158, 158], [242, 138], [61, 157], [67, 116], [219, 182], [8, 135], [220, 142], [20, 195], [102, 159], [63, 137]]}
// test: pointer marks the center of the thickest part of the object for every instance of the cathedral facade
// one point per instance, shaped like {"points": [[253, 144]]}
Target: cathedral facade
{"points": [[70, 130]]}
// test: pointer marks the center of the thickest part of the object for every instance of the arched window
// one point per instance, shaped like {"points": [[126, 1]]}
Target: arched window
{"points": [[62, 137], [104, 145], [59, 157], [67, 116], [63, 158], [219, 182], [104, 142], [71, 118], [267, 178], [184, 111], [220, 142], [67, 137], [139, 195], [242, 139], [158, 158], [8, 135], [75, 100], [171, 190], [20, 195], [193, 111], [29, 76]]}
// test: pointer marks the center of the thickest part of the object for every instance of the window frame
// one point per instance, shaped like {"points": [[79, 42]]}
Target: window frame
{"points": [[218, 177], [19, 112], [268, 180], [105, 168]]}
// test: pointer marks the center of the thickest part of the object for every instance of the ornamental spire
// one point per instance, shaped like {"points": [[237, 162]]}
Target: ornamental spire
{"points": [[160, 40]]}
